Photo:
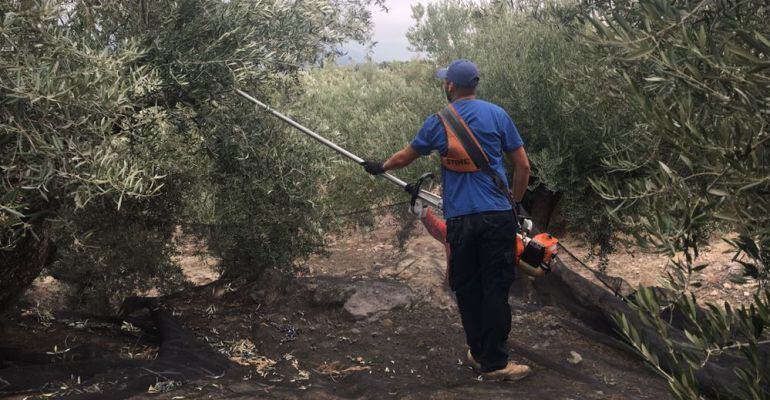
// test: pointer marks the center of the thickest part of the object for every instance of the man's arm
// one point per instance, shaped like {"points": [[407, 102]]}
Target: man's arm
{"points": [[401, 158], [518, 157], [425, 141]]}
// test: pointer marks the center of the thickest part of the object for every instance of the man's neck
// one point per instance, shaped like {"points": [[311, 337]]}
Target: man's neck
{"points": [[464, 97]]}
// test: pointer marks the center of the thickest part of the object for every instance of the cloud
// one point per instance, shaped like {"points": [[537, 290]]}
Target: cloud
{"points": [[389, 33]]}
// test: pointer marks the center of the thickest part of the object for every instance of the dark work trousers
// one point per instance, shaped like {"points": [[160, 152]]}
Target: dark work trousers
{"points": [[481, 271]]}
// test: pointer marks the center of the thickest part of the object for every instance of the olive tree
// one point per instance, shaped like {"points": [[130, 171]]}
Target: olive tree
{"points": [[67, 122], [127, 107], [698, 74]]}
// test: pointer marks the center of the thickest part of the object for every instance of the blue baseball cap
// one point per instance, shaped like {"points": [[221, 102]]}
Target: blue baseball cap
{"points": [[462, 72]]}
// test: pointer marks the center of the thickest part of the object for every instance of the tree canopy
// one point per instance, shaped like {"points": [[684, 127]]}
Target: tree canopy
{"points": [[119, 127], [131, 102]]}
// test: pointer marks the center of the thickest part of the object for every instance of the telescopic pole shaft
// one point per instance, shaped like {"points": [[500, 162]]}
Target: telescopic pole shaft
{"points": [[305, 130], [427, 196]]}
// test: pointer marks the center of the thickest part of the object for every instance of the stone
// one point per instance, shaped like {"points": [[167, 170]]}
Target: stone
{"points": [[541, 345], [735, 271], [574, 358], [735, 268], [373, 298], [329, 295], [362, 299]]}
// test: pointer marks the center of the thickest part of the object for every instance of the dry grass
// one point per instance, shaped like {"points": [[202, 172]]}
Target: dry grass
{"points": [[336, 371], [244, 352]]}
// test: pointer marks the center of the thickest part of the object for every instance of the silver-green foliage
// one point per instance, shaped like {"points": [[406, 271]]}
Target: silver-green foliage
{"points": [[698, 74], [712, 335], [372, 111], [66, 117], [125, 100]]}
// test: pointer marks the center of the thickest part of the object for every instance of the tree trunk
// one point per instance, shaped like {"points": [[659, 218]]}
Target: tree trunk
{"points": [[540, 204], [20, 266]]}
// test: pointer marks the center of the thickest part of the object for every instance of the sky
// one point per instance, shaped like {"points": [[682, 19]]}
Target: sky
{"points": [[389, 32]]}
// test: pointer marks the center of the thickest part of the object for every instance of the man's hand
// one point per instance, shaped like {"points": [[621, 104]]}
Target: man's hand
{"points": [[401, 159], [419, 209], [374, 167], [519, 209]]}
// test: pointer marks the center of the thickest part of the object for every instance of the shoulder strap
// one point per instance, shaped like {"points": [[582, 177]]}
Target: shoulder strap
{"points": [[474, 150]]}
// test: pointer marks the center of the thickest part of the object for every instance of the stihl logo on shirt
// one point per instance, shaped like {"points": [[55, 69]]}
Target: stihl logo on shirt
{"points": [[458, 162]]}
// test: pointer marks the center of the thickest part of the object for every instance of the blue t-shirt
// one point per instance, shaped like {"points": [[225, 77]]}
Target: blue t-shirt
{"points": [[473, 192]]}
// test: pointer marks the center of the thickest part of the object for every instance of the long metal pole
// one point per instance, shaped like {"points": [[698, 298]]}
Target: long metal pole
{"points": [[427, 196]]}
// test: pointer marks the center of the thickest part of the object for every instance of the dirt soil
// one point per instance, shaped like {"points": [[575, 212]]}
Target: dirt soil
{"points": [[639, 267], [291, 337]]}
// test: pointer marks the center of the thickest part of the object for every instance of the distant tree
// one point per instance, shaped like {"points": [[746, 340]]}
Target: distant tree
{"points": [[384, 107]]}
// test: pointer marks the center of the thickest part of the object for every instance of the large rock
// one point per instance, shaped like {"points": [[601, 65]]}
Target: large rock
{"points": [[372, 298], [360, 299]]}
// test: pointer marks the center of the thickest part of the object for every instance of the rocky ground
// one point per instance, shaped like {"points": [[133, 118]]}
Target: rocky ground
{"points": [[371, 320]]}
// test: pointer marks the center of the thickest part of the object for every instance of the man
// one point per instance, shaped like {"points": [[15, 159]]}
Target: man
{"points": [[481, 226]]}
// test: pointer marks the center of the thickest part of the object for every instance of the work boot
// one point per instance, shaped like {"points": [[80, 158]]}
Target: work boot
{"points": [[472, 361], [511, 372]]}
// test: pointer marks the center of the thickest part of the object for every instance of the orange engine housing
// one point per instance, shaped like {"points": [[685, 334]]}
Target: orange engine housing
{"points": [[534, 255]]}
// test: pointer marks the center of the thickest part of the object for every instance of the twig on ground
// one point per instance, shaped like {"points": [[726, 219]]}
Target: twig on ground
{"points": [[335, 371]]}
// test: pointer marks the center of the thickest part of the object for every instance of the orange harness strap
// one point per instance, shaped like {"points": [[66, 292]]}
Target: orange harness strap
{"points": [[457, 158]]}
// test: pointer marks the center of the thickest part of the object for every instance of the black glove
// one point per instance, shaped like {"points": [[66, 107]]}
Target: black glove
{"points": [[373, 167]]}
